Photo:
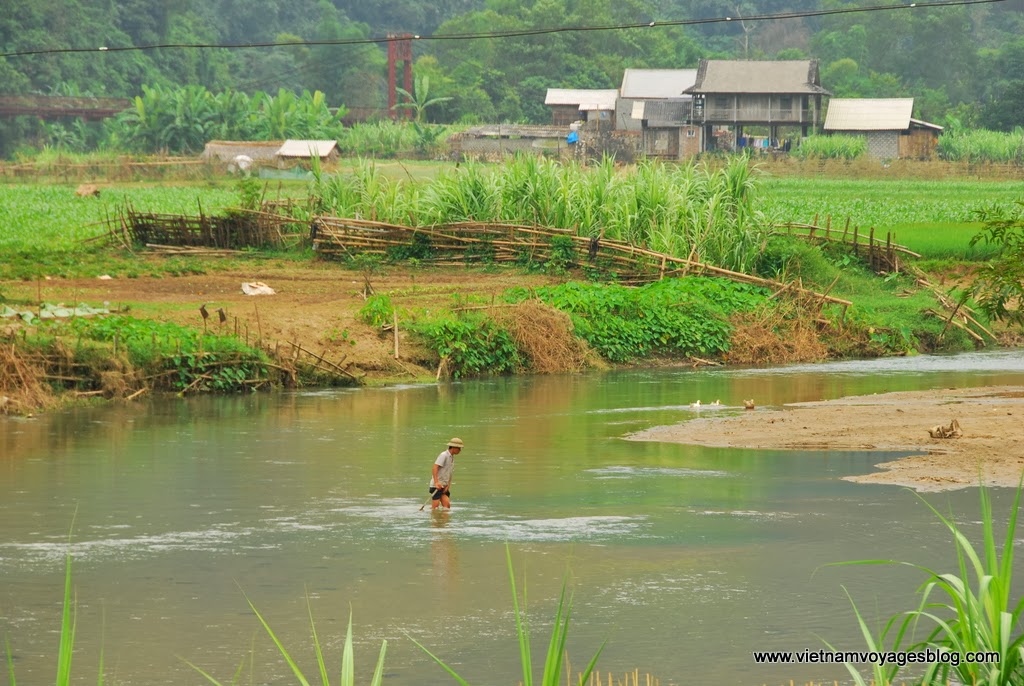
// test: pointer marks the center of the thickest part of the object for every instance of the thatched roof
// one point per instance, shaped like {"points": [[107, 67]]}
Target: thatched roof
{"points": [[783, 77]]}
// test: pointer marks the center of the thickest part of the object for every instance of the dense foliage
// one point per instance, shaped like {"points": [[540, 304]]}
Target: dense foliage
{"points": [[671, 317], [999, 286], [956, 60]]}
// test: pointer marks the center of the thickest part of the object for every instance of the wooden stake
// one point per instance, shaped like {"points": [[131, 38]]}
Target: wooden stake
{"points": [[394, 320], [259, 326]]}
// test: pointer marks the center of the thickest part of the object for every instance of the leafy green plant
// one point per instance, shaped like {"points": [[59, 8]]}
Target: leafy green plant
{"points": [[1000, 281], [668, 317], [250, 192], [978, 615], [192, 360], [555, 657], [419, 99], [347, 672], [377, 311], [563, 254], [472, 344]]}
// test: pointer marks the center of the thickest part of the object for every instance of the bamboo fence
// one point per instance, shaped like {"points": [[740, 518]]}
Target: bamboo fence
{"points": [[882, 255], [236, 230], [475, 242]]}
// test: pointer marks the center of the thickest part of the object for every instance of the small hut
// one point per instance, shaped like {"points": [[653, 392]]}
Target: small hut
{"points": [[886, 123], [570, 104], [299, 150], [260, 152]]}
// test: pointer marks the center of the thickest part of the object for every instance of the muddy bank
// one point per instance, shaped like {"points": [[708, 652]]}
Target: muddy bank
{"points": [[991, 421]]}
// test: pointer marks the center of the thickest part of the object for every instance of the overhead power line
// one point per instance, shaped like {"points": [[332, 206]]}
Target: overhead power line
{"points": [[508, 34]]}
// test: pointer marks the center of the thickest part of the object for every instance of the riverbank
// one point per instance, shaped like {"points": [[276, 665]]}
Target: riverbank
{"points": [[313, 304], [991, 443]]}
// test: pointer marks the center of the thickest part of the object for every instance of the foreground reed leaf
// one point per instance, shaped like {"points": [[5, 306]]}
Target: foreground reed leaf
{"points": [[347, 675], [556, 655], [966, 618]]}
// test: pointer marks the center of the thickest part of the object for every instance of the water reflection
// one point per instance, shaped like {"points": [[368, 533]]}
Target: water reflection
{"points": [[444, 556]]}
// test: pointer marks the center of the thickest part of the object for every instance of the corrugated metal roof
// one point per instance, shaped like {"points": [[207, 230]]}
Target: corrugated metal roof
{"points": [[756, 77], [299, 148], [925, 124], [665, 112], [869, 114], [585, 99], [655, 84]]}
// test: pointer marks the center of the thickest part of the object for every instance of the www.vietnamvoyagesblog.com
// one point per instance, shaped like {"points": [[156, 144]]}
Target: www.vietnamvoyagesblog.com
{"points": [[892, 657]]}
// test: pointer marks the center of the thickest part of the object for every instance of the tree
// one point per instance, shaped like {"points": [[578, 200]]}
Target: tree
{"points": [[419, 99]]}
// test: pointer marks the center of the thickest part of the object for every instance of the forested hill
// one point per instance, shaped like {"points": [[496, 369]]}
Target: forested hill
{"points": [[962, 61]]}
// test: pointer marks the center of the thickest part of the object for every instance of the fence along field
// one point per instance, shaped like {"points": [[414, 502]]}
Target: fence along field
{"points": [[51, 217]]}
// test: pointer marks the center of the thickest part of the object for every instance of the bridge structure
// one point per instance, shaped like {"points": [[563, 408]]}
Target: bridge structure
{"points": [[51, 107]]}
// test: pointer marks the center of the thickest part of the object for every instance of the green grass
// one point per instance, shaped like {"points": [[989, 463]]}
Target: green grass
{"points": [[943, 240], [53, 218]]}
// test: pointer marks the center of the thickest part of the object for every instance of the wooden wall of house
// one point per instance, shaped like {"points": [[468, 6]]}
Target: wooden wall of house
{"points": [[563, 115], [918, 144], [759, 109], [672, 142], [662, 142]]}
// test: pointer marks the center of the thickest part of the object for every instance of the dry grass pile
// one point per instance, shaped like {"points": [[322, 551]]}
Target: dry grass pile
{"points": [[773, 335], [22, 389], [545, 337]]}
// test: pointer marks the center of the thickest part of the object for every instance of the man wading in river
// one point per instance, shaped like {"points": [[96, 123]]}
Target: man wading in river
{"points": [[441, 478]]}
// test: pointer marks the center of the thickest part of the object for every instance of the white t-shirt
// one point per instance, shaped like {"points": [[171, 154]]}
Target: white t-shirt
{"points": [[446, 465]]}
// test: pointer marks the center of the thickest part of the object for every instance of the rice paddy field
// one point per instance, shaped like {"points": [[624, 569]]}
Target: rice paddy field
{"points": [[38, 216], [933, 218]]}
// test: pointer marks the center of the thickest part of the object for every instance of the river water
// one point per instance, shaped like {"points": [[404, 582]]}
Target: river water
{"points": [[685, 559]]}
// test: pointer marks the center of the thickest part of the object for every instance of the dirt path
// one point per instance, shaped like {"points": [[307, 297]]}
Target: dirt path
{"points": [[991, 420]]}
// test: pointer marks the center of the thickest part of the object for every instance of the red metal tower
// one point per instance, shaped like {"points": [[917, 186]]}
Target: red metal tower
{"points": [[399, 50]]}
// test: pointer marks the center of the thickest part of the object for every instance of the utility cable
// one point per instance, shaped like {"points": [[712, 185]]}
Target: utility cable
{"points": [[511, 33]]}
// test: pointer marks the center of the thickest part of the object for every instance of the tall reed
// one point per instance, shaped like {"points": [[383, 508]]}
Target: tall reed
{"points": [[688, 210], [980, 145]]}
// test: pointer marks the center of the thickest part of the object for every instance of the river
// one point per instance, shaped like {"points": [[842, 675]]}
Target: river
{"points": [[684, 559]]}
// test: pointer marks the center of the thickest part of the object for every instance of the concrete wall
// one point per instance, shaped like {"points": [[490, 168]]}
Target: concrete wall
{"points": [[883, 145]]}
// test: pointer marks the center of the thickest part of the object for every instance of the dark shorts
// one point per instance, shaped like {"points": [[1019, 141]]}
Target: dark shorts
{"points": [[437, 493]]}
